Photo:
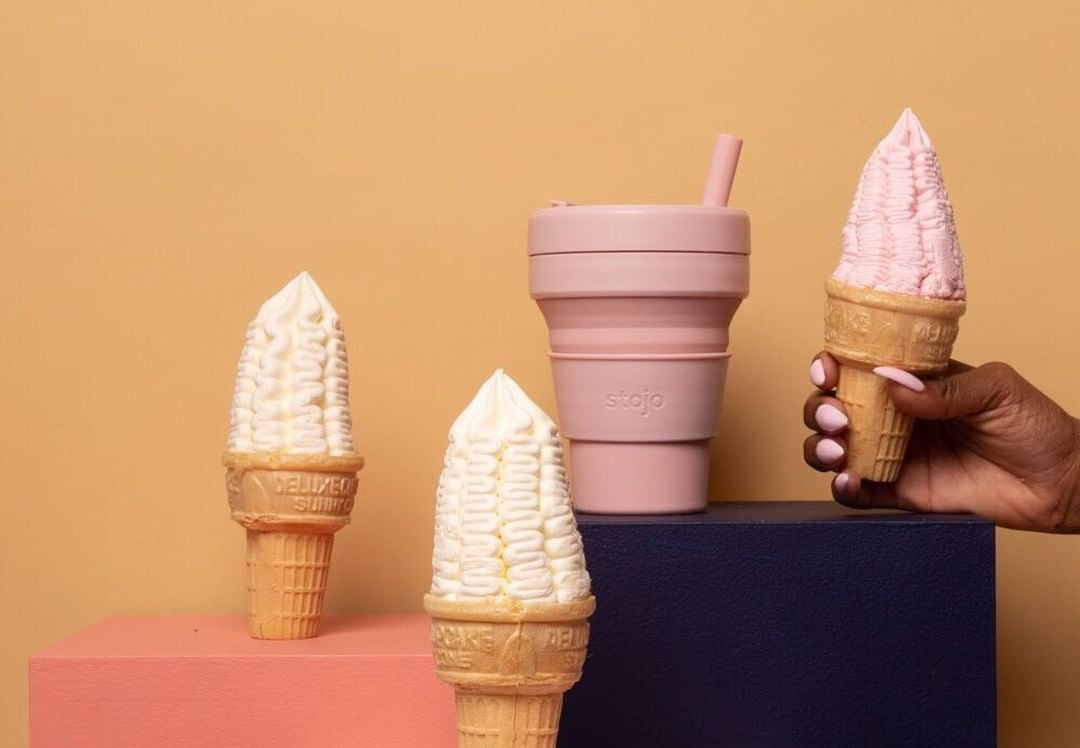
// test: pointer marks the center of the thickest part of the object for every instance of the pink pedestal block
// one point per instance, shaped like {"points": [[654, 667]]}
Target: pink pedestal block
{"points": [[198, 681]]}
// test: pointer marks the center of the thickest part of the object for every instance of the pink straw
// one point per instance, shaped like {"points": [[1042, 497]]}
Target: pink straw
{"points": [[722, 170]]}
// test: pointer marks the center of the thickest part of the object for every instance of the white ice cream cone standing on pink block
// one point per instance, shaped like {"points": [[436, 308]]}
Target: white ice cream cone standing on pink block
{"points": [[291, 463]]}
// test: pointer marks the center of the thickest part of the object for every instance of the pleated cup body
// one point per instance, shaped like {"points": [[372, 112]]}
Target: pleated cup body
{"points": [[638, 301]]}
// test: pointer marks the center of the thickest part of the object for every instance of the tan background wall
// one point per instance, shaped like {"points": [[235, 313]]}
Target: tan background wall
{"points": [[164, 167]]}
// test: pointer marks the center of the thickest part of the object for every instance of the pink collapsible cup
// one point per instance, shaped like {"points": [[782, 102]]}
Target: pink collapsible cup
{"points": [[638, 300]]}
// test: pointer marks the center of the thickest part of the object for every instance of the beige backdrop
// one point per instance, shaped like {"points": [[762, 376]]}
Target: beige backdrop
{"points": [[164, 167]]}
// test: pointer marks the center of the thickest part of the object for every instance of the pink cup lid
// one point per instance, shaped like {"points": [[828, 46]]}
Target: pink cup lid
{"points": [[639, 228]]}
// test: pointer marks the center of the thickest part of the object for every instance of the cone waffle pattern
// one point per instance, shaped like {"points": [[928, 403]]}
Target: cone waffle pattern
{"points": [[510, 664], [864, 329], [879, 433], [495, 721], [287, 574]]}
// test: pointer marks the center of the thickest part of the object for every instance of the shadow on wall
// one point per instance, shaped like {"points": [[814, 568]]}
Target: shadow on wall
{"points": [[729, 469], [1035, 677]]}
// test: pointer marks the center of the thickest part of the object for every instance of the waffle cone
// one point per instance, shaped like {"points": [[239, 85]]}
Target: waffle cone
{"points": [[510, 664], [866, 328], [291, 506]]}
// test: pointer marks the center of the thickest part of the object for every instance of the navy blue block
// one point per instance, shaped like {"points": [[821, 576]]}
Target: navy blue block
{"points": [[787, 624]]}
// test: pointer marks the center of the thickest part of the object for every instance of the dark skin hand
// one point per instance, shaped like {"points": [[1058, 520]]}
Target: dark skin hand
{"points": [[985, 441]]}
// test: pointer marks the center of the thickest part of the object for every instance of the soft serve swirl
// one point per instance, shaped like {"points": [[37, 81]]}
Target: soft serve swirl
{"points": [[900, 234], [292, 381], [504, 526]]}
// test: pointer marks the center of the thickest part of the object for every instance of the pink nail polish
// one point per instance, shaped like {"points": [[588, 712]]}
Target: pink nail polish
{"points": [[841, 483], [830, 419], [901, 377], [817, 373], [828, 451]]}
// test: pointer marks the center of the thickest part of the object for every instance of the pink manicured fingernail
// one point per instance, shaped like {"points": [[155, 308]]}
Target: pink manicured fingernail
{"points": [[830, 419], [841, 483], [902, 377], [817, 373], [828, 451]]}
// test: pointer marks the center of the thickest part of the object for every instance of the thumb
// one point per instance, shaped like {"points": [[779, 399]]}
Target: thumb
{"points": [[955, 396]]}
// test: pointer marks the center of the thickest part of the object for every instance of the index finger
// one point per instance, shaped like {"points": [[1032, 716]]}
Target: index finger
{"points": [[824, 372], [957, 367]]}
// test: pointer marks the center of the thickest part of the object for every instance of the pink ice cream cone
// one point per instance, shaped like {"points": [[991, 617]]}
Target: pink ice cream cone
{"points": [[897, 295]]}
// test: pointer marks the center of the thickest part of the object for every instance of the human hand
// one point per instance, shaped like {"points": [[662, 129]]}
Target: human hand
{"points": [[985, 441]]}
